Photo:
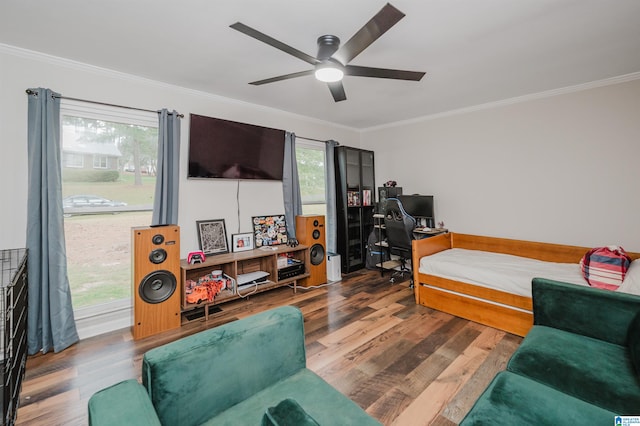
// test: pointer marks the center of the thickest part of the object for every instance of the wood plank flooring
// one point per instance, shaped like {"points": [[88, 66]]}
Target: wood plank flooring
{"points": [[403, 363]]}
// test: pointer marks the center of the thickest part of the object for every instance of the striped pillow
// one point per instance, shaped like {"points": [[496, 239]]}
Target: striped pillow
{"points": [[605, 267]]}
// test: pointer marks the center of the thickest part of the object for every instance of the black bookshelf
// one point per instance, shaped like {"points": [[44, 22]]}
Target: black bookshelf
{"points": [[355, 193]]}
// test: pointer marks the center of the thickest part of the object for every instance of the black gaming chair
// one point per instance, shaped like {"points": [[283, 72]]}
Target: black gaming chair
{"points": [[399, 227]]}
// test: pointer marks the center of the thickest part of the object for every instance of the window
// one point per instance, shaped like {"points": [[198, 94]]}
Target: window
{"points": [[310, 157], [99, 162], [73, 160], [103, 202]]}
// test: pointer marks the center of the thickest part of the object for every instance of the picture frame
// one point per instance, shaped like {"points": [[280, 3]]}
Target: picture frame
{"points": [[212, 236], [242, 242], [269, 230]]}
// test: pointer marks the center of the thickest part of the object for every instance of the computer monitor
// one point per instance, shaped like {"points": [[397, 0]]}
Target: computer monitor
{"points": [[420, 207]]}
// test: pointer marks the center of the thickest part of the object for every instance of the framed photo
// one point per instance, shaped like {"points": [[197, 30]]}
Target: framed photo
{"points": [[269, 230], [212, 236], [242, 242]]}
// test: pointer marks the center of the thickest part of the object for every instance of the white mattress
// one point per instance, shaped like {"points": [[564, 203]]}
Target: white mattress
{"points": [[505, 272]]}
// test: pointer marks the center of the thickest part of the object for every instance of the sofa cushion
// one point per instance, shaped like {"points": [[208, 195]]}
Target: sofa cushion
{"points": [[511, 400], [597, 372], [287, 413], [319, 399], [634, 342], [593, 312], [105, 408]]}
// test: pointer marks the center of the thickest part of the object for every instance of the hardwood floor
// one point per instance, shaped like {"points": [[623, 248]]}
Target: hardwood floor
{"points": [[403, 363]]}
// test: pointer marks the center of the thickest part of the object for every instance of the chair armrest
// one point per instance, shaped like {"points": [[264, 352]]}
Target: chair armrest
{"points": [[124, 403], [592, 312]]}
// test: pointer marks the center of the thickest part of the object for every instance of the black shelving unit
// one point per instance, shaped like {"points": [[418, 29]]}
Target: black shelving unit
{"points": [[355, 203], [13, 305]]}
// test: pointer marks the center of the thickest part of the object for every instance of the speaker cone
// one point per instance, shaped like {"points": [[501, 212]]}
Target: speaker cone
{"points": [[158, 256], [157, 239], [317, 254], [315, 234], [157, 286]]}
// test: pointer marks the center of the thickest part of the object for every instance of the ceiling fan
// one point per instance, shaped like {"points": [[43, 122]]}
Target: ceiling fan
{"points": [[331, 62]]}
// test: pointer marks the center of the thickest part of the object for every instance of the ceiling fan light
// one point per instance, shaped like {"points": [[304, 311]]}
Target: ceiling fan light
{"points": [[329, 74]]}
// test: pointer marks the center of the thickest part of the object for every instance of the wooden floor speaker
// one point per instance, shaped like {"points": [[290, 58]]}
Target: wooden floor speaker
{"points": [[310, 231], [156, 279]]}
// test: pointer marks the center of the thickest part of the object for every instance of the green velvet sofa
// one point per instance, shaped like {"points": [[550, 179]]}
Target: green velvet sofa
{"points": [[247, 372], [578, 365]]}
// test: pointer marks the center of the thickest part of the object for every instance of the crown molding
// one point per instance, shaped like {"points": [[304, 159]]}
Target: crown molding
{"points": [[519, 99], [81, 66]]}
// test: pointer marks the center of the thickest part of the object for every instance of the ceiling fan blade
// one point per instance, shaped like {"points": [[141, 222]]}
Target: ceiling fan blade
{"points": [[337, 91], [282, 77], [383, 73], [372, 30], [273, 42]]}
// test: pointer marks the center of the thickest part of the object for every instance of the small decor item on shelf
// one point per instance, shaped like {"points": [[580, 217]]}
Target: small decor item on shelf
{"points": [[207, 287], [269, 230], [195, 257], [353, 198], [282, 261], [366, 197], [242, 242], [390, 184], [212, 236], [441, 224], [197, 294]]}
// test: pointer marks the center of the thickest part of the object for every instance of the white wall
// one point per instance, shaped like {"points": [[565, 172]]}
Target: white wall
{"points": [[199, 199], [561, 169]]}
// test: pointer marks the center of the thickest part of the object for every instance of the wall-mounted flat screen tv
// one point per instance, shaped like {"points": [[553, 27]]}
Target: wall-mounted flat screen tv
{"points": [[227, 149]]}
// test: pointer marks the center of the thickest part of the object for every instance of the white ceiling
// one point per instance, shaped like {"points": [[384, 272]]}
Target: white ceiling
{"points": [[473, 51]]}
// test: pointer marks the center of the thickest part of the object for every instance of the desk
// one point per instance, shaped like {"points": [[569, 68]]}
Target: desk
{"points": [[421, 233]]}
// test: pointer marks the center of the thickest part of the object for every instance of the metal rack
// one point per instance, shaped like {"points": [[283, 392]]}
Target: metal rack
{"points": [[13, 327], [392, 263]]}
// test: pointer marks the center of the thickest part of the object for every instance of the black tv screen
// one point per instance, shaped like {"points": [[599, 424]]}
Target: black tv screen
{"points": [[228, 149]]}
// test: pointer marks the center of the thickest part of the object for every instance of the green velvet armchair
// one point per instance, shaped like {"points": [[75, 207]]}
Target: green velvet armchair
{"points": [[250, 371]]}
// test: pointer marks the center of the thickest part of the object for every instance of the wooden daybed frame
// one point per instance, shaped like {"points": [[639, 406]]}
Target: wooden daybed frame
{"points": [[495, 308]]}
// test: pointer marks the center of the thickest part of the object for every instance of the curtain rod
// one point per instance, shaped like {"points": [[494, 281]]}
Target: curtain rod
{"points": [[315, 140], [31, 92]]}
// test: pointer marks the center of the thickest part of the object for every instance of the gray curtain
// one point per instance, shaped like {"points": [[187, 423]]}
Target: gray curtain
{"points": [[50, 315], [330, 179], [291, 184], [165, 201]]}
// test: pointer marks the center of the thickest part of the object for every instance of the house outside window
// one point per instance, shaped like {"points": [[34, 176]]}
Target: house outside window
{"points": [[74, 160]]}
